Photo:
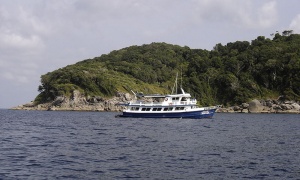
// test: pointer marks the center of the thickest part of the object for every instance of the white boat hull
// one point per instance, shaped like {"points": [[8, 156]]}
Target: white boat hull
{"points": [[195, 114]]}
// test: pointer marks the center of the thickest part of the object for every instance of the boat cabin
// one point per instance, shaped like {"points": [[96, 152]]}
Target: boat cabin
{"points": [[163, 103]]}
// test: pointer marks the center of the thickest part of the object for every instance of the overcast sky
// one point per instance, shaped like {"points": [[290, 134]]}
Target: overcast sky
{"points": [[39, 36]]}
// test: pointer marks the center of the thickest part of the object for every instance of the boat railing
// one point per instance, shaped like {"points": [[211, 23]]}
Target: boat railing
{"points": [[210, 107], [145, 103]]}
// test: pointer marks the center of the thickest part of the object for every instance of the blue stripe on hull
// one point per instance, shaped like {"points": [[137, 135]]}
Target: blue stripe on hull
{"points": [[192, 115]]}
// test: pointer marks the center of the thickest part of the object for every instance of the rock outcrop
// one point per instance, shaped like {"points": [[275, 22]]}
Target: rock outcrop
{"points": [[78, 102], [265, 106], [255, 106]]}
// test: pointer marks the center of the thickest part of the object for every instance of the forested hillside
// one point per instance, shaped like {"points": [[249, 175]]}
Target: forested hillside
{"points": [[229, 74]]}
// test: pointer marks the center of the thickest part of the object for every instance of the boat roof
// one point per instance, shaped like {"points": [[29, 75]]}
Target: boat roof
{"points": [[164, 96], [179, 95], [153, 96]]}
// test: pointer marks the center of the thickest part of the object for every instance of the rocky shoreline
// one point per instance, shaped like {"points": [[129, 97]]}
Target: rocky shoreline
{"points": [[264, 106], [78, 102]]}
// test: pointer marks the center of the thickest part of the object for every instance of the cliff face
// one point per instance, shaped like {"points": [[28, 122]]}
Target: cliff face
{"points": [[78, 102]]}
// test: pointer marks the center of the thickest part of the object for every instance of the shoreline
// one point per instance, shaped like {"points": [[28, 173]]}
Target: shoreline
{"points": [[220, 110], [78, 102]]}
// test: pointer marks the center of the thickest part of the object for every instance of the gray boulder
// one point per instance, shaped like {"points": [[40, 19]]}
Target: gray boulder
{"points": [[269, 103], [255, 106], [244, 105], [236, 108], [286, 107], [29, 105], [58, 100], [296, 106]]}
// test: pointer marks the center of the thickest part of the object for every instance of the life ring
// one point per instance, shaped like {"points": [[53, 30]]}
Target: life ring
{"points": [[166, 99]]}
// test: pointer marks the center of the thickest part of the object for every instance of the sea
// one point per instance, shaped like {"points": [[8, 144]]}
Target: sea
{"points": [[97, 145]]}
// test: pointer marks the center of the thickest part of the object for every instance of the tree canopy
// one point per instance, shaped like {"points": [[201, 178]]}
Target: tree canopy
{"points": [[229, 74]]}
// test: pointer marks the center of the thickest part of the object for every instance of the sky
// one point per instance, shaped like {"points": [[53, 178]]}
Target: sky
{"points": [[39, 36]]}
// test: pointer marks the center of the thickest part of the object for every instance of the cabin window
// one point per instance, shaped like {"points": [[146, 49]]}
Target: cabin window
{"points": [[159, 109], [179, 108], [168, 109], [148, 109], [184, 99], [143, 109], [156, 109], [134, 108], [175, 98]]}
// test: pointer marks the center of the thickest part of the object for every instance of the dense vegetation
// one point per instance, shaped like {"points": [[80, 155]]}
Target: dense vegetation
{"points": [[229, 74]]}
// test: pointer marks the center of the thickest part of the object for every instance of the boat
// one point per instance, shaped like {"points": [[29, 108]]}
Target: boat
{"points": [[166, 106]]}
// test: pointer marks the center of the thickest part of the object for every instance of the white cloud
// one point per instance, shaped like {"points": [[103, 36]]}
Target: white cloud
{"points": [[19, 33], [21, 43], [32, 21], [295, 24], [12, 40], [22, 73], [246, 14], [15, 78], [268, 14]]}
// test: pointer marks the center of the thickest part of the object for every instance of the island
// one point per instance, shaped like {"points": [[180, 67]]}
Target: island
{"points": [[258, 76]]}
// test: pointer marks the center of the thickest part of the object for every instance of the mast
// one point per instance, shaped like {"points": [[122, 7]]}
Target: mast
{"points": [[175, 84], [181, 78]]}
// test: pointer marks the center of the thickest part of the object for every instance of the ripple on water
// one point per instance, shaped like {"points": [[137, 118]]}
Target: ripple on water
{"points": [[94, 145]]}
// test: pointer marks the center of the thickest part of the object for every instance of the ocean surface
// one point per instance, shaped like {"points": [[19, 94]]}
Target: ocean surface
{"points": [[96, 145]]}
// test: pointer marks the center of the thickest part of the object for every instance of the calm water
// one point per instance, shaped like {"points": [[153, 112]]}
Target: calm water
{"points": [[96, 145]]}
